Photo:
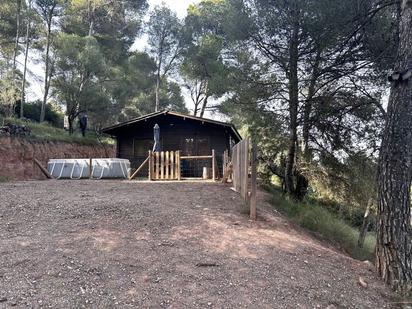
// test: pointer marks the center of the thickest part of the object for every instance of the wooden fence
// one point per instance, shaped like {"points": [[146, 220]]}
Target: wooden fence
{"points": [[210, 157], [164, 165], [243, 165]]}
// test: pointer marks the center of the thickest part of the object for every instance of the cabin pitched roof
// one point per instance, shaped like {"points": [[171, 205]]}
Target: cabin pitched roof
{"points": [[110, 130]]}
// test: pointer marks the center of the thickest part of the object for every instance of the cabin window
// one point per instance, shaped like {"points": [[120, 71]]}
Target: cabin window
{"points": [[195, 146], [202, 146], [188, 147], [142, 147]]}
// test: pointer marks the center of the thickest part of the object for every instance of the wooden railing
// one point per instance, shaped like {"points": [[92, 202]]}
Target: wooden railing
{"points": [[212, 157], [244, 164]]}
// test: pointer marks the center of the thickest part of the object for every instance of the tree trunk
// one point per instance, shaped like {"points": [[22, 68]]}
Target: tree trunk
{"points": [[157, 90], [90, 11], [47, 75], [308, 107], [293, 105], [204, 105], [71, 121], [26, 55], [365, 224], [394, 235], [158, 75], [16, 49], [202, 111], [16, 43], [302, 182]]}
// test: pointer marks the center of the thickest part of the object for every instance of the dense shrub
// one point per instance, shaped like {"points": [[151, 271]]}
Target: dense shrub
{"points": [[32, 112]]}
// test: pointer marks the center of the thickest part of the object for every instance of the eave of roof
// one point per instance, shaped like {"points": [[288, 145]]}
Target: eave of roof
{"points": [[166, 112]]}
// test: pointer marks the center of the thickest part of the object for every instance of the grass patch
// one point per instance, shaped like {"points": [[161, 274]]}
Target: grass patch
{"points": [[324, 224], [46, 132], [4, 179]]}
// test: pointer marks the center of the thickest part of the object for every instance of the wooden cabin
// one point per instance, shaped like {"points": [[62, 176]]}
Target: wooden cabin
{"points": [[192, 136]]}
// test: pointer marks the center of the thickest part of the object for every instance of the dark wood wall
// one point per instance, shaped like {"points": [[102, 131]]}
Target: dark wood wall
{"points": [[189, 136]]}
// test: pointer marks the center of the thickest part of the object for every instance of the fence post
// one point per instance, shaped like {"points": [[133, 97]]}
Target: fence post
{"points": [[245, 170], [213, 165], [157, 165], [162, 165], [150, 165], [178, 165], [172, 165], [167, 165], [234, 171], [253, 162], [90, 168]]}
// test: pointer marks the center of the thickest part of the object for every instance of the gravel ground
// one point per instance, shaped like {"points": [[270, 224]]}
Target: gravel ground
{"points": [[118, 244]]}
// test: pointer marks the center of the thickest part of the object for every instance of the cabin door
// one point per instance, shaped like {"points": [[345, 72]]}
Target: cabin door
{"points": [[195, 146]]}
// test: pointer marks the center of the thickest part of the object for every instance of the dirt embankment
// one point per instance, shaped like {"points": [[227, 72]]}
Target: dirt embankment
{"points": [[16, 155]]}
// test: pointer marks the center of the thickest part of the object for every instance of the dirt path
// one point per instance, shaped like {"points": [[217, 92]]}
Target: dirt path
{"points": [[103, 244]]}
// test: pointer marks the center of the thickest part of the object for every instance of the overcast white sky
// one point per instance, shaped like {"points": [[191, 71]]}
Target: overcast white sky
{"points": [[179, 6], [36, 69]]}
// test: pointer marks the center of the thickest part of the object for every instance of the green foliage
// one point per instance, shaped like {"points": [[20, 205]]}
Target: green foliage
{"points": [[46, 132], [4, 179], [339, 92], [212, 31], [79, 65], [164, 30], [53, 116], [170, 98], [114, 24], [8, 95], [324, 225], [8, 12]]}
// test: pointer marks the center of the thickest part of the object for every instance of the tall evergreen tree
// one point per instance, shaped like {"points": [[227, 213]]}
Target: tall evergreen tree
{"points": [[48, 10], [394, 234], [164, 44]]}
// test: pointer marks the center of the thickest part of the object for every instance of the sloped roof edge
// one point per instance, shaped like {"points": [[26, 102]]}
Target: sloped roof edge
{"points": [[167, 112]]}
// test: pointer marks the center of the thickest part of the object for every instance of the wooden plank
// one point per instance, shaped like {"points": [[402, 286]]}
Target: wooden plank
{"points": [[228, 169], [178, 165], [157, 165], [213, 165], [139, 168], [238, 162], [196, 157], [172, 165], [225, 165], [162, 165], [236, 170], [253, 183], [246, 163], [167, 165], [44, 171], [241, 167], [229, 162], [150, 165], [234, 167]]}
